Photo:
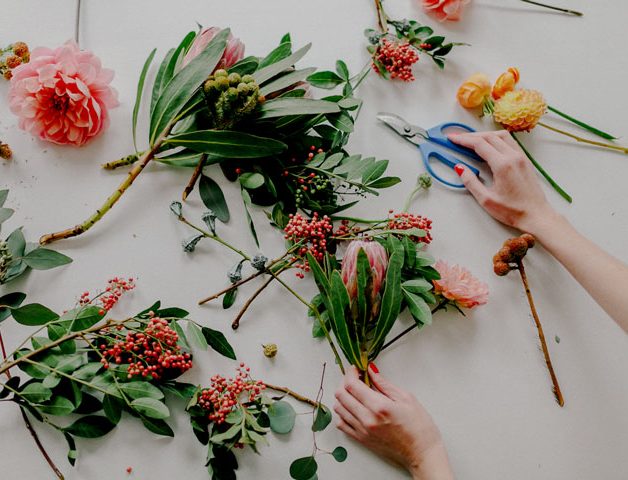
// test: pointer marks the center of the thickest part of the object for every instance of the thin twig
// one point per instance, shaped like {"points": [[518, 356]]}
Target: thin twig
{"points": [[293, 394], [77, 24], [194, 178], [231, 287], [551, 7], [548, 360], [619, 148], [236, 321], [438, 307]]}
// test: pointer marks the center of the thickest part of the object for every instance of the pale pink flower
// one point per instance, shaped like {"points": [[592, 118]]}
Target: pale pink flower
{"points": [[445, 9], [62, 95], [378, 259], [458, 285], [233, 53]]}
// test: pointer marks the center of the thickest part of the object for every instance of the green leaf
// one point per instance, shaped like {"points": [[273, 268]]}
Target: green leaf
{"points": [[172, 312], [72, 453], [303, 468], [51, 381], [246, 66], [285, 81], [11, 300], [342, 122], [13, 382], [251, 180], [343, 71], [575, 121], [279, 53], [268, 72], [3, 196], [90, 426], [332, 161], [339, 305], [88, 372], [139, 389], [229, 298], [339, 454], [59, 406], [33, 314], [184, 158], [213, 198], [16, 243], [36, 393], [434, 42], [158, 427], [196, 336], [218, 342], [384, 182], [374, 171], [112, 406], [183, 339], [151, 408], [326, 80], [184, 84], [322, 418], [417, 286], [419, 309], [138, 96], [5, 214], [69, 363], [182, 390], [246, 200], [282, 417], [228, 143], [282, 107], [85, 317], [230, 434]]}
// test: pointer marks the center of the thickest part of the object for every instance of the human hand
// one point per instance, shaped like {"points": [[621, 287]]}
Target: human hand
{"points": [[392, 423], [515, 198]]}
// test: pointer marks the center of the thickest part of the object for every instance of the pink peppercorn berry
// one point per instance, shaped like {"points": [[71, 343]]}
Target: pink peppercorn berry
{"points": [[407, 221], [397, 58], [315, 232]]}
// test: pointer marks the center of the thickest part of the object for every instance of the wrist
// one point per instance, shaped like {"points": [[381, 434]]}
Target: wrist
{"points": [[433, 464], [541, 222]]}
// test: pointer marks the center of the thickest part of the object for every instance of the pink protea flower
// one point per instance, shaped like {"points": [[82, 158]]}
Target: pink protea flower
{"points": [[62, 95], [459, 286], [233, 53], [378, 259], [445, 9]]}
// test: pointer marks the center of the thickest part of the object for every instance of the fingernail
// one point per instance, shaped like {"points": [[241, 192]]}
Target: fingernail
{"points": [[459, 169], [373, 367]]}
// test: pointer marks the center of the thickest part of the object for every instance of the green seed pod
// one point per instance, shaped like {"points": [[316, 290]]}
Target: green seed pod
{"points": [[222, 83], [220, 73], [232, 94], [243, 89], [234, 79], [270, 350], [248, 79], [209, 85]]}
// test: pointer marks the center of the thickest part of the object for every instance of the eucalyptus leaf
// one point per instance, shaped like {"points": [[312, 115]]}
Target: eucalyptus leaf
{"points": [[339, 454], [322, 418], [282, 417], [44, 259], [303, 468], [9, 301]]}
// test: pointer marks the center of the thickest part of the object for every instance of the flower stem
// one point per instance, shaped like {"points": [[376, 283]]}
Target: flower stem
{"points": [[195, 176], [548, 360], [438, 307], [551, 7], [382, 18], [122, 162], [591, 129], [619, 148], [77, 24], [293, 394], [111, 201], [542, 171]]}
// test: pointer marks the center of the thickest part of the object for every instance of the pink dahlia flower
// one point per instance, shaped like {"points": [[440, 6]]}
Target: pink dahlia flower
{"points": [[458, 285], [445, 9], [233, 53], [62, 95], [378, 259]]}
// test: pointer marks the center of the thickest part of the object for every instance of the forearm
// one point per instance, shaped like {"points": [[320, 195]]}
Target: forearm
{"points": [[434, 465], [604, 277]]}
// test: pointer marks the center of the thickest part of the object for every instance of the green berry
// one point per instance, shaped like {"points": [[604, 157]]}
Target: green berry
{"points": [[248, 79], [234, 79], [221, 73], [222, 83]]}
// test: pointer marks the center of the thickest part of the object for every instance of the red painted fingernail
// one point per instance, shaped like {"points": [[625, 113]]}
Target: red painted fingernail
{"points": [[374, 367], [459, 169]]}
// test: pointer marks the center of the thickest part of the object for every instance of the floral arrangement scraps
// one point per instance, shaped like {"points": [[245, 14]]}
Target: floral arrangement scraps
{"points": [[384, 270], [510, 257], [254, 117], [17, 255], [12, 57], [83, 369], [451, 10], [520, 110]]}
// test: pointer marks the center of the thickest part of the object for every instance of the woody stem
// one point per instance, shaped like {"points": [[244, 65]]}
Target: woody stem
{"points": [[293, 394], [195, 176], [551, 7], [548, 360], [382, 18], [619, 148]]}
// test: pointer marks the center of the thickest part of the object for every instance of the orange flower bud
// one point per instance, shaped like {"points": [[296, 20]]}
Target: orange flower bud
{"points": [[505, 83], [474, 90]]}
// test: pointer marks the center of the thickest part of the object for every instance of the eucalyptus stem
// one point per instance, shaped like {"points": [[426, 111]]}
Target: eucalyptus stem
{"points": [[194, 178], [438, 307], [551, 7], [585, 140], [113, 198], [214, 237], [548, 361]]}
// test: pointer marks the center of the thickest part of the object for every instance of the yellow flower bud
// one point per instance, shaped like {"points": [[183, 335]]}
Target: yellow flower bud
{"points": [[519, 110], [474, 90], [506, 82]]}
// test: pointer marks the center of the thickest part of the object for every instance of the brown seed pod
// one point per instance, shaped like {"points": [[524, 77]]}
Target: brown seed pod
{"points": [[501, 269], [530, 240], [518, 246], [505, 255]]}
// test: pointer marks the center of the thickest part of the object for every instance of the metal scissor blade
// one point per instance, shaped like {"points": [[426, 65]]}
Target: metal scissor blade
{"points": [[410, 132]]}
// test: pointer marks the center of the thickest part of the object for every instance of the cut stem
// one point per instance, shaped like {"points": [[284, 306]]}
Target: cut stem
{"points": [[539, 327], [619, 148], [236, 321], [438, 307], [581, 124], [122, 162], [194, 178], [293, 394], [551, 7], [382, 18]]}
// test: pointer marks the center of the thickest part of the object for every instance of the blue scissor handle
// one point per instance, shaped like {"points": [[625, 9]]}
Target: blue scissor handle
{"points": [[437, 135], [431, 151]]}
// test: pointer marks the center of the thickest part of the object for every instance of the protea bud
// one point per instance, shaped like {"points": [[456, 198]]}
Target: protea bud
{"points": [[378, 259], [229, 98], [233, 53]]}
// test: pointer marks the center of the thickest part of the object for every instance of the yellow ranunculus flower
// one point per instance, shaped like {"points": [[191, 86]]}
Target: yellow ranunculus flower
{"points": [[519, 110], [474, 90], [505, 83]]}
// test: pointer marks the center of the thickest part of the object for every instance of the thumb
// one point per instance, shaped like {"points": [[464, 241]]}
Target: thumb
{"points": [[384, 385], [472, 183]]}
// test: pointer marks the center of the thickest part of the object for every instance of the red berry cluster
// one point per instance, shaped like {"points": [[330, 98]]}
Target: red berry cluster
{"points": [[345, 231], [224, 395], [107, 299], [406, 221], [152, 352], [11, 57], [512, 252], [315, 232], [397, 58]]}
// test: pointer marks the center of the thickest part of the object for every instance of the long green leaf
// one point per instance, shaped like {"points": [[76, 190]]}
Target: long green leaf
{"points": [[286, 80], [160, 81], [364, 278], [340, 306], [213, 198], [419, 308], [228, 144], [138, 96], [184, 84], [279, 53], [266, 73], [282, 107]]}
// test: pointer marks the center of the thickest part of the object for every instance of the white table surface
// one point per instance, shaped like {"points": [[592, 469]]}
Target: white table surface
{"points": [[482, 377]]}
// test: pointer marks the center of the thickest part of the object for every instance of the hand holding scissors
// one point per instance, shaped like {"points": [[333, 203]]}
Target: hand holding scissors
{"points": [[430, 142]]}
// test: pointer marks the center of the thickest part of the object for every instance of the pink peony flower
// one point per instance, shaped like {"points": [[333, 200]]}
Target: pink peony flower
{"points": [[445, 9], [62, 95], [378, 258], [233, 53], [458, 285]]}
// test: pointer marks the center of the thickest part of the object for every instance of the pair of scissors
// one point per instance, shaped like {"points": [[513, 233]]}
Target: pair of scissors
{"points": [[429, 142]]}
